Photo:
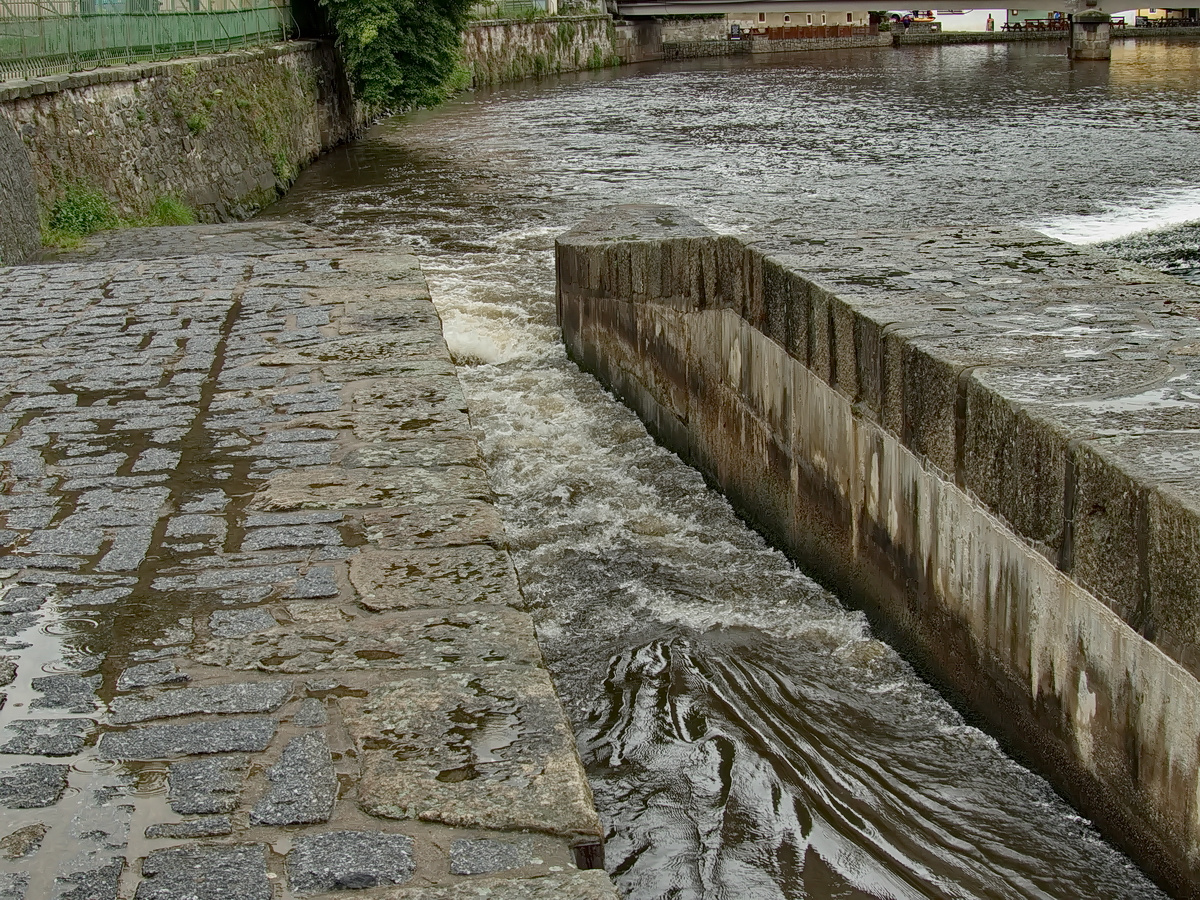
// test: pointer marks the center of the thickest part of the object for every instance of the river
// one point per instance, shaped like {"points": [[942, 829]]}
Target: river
{"points": [[748, 737]]}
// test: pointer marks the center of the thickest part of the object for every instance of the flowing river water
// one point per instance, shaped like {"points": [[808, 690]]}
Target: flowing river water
{"points": [[746, 736]]}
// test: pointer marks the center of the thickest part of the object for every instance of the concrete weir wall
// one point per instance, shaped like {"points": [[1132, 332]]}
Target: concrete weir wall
{"points": [[226, 134], [987, 438]]}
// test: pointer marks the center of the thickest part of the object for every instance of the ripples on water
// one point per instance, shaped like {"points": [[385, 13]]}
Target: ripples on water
{"points": [[745, 735]]}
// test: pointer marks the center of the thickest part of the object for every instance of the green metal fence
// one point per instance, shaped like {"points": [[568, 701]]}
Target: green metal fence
{"points": [[509, 9], [48, 37]]}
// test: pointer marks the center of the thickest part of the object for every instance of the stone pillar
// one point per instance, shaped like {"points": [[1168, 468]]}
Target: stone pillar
{"points": [[1091, 36]]}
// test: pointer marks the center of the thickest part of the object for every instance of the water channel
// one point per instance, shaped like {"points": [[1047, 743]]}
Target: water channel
{"points": [[747, 737]]}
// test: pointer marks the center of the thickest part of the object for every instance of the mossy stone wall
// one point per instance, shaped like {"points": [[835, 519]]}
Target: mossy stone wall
{"points": [[500, 51], [224, 134]]}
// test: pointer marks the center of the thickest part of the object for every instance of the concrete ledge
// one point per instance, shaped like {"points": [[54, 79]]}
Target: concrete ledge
{"points": [[985, 437]]}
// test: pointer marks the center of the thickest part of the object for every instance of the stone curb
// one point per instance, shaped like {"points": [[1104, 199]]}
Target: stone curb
{"points": [[51, 84]]}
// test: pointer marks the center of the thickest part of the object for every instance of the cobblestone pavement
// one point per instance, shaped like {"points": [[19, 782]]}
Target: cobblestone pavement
{"points": [[260, 636]]}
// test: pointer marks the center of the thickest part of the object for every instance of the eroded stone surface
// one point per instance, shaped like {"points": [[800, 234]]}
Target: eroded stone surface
{"points": [[206, 786], [337, 488], [32, 785], [477, 636], [484, 857], [13, 885], [311, 714], [455, 524], [349, 860], [23, 842], [479, 750], [97, 883], [303, 785], [233, 623], [47, 737], [254, 697], [210, 826], [589, 885], [150, 674], [403, 579], [209, 736], [206, 872]]}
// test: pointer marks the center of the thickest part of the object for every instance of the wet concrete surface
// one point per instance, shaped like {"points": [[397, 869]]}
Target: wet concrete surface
{"points": [[259, 629]]}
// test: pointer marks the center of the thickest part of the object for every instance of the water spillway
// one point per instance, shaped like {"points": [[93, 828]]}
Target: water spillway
{"points": [[746, 735], [920, 418]]}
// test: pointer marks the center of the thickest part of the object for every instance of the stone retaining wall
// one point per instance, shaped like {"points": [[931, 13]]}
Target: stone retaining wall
{"points": [[19, 233], [698, 49], [225, 134], [500, 51], [987, 438], [901, 39], [1152, 33]]}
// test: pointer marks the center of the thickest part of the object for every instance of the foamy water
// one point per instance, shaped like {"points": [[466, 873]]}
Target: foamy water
{"points": [[748, 737], [1156, 211]]}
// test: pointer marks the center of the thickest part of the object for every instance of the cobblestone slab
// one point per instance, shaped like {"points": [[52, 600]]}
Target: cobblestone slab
{"points": [[591, 885], [252, 586]]}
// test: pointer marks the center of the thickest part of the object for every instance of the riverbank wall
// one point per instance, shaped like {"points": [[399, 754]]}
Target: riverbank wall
{"points": [[506, 50], [224, 134], [901, 39], [986, 439], [725, 47]]}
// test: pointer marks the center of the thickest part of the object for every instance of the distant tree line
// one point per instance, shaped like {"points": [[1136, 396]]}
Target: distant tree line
{"points": [[399, 54]]}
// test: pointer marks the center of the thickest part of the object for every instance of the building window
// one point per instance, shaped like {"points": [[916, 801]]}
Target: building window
{"points": [[810, 18], [787, 18], [849, 17], [762, 17], [822, 18]]}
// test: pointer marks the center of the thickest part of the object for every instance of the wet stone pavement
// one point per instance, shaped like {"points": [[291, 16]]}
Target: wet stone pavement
{"points": [[260, 636]]}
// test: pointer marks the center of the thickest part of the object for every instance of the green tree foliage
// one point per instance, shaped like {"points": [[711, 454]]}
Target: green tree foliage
{"points": [[399, 53]]}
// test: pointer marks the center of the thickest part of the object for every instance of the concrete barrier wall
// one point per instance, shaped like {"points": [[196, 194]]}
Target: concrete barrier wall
{"points": [[226, 134], [983, 438]]}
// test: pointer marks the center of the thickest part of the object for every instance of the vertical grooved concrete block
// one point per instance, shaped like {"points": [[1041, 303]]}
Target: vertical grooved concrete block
{"points": [[868, 354], [777, 298], [1109, 535], [929, 395], [1015, 463], [842, 352], [797, 318]]}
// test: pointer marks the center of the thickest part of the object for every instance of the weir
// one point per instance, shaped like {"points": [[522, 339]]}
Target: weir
{"points": [[984, 436]]}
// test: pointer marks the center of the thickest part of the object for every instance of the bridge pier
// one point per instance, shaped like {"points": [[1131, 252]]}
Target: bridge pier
{"points": [[1091, 36]]}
